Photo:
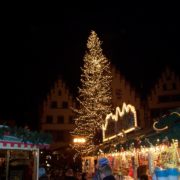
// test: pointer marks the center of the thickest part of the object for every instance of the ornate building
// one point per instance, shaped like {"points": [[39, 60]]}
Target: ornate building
{"points": [[57, 117], [164, 96]]}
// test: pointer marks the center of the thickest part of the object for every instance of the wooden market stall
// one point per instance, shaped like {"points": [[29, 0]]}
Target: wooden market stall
{"points": [[19, 153]]}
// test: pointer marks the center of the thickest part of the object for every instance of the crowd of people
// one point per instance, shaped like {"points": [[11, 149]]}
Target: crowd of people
{"points": [[102, 172]]}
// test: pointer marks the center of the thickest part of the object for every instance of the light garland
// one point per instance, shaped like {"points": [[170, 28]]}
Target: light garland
{"points": [[159, 129], [115, 117], [166, 127]]}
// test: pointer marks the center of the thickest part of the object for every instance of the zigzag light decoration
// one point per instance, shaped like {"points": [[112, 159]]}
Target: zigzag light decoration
{"points": [[125, 109]]}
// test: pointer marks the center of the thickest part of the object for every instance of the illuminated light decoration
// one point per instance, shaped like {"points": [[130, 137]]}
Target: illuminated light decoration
{"points": [[94, 96], [159, 129], [115, 117], [175, 113], [166, 127], [79, 140]]}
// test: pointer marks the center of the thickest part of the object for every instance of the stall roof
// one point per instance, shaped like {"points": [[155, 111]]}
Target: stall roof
{"points": [[20, 138]]}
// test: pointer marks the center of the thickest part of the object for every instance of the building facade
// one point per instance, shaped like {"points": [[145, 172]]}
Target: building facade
{"points": [[164, 96], [58, 118]]}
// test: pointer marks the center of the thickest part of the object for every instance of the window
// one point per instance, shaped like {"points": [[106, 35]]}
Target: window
{"points": [[175, 97], [174, 86], [164, 87], [61, 135], [58, 135], [118, 93], [64, 105], [71, 120], [49, 119], [168, 78], [59, 93], [60, 119], [163, 99], [54, 104]]}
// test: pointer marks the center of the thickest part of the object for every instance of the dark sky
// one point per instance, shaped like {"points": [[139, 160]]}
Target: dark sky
{"points": [[139, 41]]}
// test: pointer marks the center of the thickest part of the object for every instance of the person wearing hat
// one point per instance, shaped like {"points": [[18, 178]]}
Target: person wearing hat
{"points": [[104, 171]]}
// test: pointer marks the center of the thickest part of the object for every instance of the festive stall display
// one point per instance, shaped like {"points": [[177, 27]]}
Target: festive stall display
{"points": [[152, 154], [19, 152], [88, 164]]}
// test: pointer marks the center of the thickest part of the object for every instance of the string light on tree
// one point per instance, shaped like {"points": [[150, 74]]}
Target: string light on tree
{"points": [[95, 95]]}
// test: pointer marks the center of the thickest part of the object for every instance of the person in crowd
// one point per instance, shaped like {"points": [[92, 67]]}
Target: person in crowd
{"points": [[144, 177], [96, 175], [57, 174], [69, 175], [42, 174], [84, 176], [78, 175], [104, 170], [142, 172]]}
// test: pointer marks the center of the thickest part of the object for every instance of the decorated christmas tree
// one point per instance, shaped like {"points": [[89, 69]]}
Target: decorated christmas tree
{"points": [[94, 96]]}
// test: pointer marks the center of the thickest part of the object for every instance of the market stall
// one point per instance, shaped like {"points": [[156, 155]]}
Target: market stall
{"points": [[19, 153], [155, 152]]}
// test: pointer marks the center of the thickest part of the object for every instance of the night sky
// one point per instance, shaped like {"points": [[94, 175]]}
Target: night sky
{"points": [[140, 42]]}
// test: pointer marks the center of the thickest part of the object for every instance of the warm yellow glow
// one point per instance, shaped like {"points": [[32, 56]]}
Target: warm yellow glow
{"points": [[120, 113], [94, 95], [178, 114], [79, 140], [159, 129]]}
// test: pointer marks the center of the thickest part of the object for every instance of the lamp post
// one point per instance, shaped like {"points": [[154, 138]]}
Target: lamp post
{"points": [[79, 142]]}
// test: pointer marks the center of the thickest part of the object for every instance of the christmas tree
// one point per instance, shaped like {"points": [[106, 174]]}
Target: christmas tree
{"points": [[94, 96]]}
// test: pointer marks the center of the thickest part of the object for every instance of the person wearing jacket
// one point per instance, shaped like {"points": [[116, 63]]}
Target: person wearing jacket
{"points": [[104, 171], [42, 174]]}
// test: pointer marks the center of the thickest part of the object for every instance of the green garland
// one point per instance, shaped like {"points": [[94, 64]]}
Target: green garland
{"points": [[24, 135]]}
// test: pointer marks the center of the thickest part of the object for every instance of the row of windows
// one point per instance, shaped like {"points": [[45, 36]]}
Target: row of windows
{"points": [[169, 98], [54, 105], [173, 87], [60, 119], [59, 93], [60, 135]]}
